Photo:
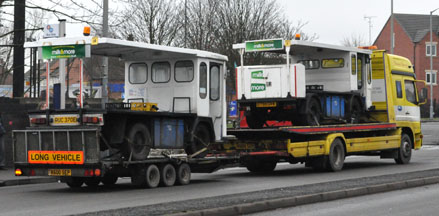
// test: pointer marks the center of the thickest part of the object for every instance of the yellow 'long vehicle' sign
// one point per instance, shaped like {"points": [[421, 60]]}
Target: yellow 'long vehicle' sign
{"points": [[56, 157]]}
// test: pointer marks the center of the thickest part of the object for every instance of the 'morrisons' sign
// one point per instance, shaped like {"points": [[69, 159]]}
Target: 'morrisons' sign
{"points": [[65, 51], [264, 45]]}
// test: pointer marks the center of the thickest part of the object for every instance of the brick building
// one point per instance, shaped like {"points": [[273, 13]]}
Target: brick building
{"points": [[412, 40]]}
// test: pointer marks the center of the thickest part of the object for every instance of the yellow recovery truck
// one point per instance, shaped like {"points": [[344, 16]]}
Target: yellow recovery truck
{"points": [[168, 128], [392, 131]]}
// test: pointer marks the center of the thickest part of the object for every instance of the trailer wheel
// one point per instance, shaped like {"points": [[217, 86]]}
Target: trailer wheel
{"points": [[335, 159], [183, 174], [74, 182], [405, 150], [254, 119], [138, 142], [92, 181], [152, 176], [313, 112], [201, 141], [109, 180], [167, 175], [258, 166]]}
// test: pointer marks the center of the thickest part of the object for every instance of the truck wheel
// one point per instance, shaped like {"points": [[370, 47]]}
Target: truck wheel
{"points": [[313, 112], [201, 140], [92, 181], [335, 159], [405, 150], [258, 166], [74, 182], [152, 176], [183, 174], [167, 175], [355, 111], [109, 180], [139, 142], [254, 120]]}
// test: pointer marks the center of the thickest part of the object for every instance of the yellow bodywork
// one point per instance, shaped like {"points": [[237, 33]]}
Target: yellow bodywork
{"points": [[382, 66]]}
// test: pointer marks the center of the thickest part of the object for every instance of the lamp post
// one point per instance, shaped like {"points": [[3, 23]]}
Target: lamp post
{"points": [[431, 62]]}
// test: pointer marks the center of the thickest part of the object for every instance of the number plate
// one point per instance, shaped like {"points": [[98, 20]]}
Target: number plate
{"points": [[266, 104], [65, 120], [60, 172]]}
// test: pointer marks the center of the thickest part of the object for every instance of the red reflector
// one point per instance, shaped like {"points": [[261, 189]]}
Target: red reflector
{"points": [[38, 120], [88, 173], [32, 173], [97, 172]]}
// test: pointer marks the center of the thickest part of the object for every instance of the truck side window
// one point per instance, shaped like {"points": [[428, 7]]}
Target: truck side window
{"points": [[398, 89], [203, 80], [369, 73], [184, 71], [161, 72], [410, 94], [138, 73], [214, 82]]}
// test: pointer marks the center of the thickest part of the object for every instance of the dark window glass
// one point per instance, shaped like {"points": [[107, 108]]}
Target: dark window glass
{"points": [[410, 94], [398, 89], [214, 83], [203, 80]]}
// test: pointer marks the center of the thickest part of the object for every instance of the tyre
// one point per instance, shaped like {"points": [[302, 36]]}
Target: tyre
{"points": [[109, 180], [405, 150], [258, 166], [183, 174], [167, 175], [355, 111], [254, 119], [74, 182], [201, 140], [138, 142], [313, 113], [92, 181], [335, 159], [152, 176]]}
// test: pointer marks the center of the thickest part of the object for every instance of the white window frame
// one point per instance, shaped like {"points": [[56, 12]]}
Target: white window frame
{"points": [[434, 45], [428, 73]]}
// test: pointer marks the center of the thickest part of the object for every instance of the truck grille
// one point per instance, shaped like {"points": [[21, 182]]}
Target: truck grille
{"points": [[86, 140]]}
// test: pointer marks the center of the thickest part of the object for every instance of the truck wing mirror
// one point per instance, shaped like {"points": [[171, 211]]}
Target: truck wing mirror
{"points": [[423, 96]]}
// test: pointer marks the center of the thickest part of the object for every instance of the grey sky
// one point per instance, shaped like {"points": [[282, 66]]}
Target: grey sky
{"points": [[333, 20]]}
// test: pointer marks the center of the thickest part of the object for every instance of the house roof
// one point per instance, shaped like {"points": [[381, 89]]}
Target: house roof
{"points": [[417, 25]]}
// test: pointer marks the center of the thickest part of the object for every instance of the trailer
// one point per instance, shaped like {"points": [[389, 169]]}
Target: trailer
{"points": [[172, 122]]}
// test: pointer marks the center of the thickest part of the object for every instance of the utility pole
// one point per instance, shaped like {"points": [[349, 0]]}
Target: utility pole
{"points": [[369, 18], [391, 29], [18, 62], [185, 23], [62, 67], [431, 63], [105, 59]]}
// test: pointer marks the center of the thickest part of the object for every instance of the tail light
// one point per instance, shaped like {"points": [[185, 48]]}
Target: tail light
{"points": [[88, 172], [93, 119], [97, 172], [38, 120]]}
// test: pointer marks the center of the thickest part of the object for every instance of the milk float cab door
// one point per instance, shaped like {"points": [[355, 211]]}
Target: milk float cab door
{"points": [[203, 88], [216, 97]]}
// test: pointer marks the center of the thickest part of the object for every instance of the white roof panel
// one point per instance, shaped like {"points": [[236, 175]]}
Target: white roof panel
{"points": [[129, 50]]}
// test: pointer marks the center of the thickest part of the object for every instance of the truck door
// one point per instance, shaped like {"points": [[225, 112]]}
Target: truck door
{"points": [[411, 109]]}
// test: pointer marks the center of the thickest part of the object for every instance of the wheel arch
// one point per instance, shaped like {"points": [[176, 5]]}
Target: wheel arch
{"points": [[207, 121], [330, 138], [409, 132]]}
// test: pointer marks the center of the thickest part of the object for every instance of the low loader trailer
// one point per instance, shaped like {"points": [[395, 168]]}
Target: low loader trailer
{"points": [[173, 123]]}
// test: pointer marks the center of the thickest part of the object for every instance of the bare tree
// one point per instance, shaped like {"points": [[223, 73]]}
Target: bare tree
{"points": [[150, 21], [355, 40]]}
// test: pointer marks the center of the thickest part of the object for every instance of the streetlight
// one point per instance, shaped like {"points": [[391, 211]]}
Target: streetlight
{"points": [[431, 62]]}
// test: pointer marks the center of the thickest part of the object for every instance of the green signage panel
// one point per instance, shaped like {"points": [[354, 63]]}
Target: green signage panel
{"points": [[257, 74], [264, 45], [257, 87], [65, 51]]}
